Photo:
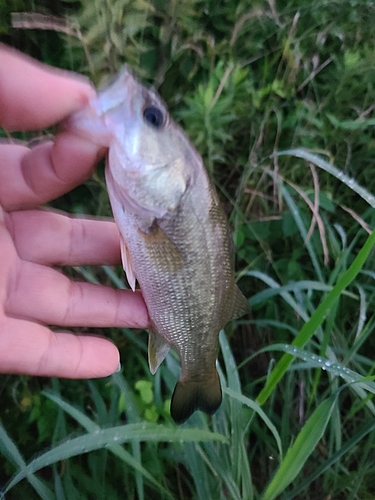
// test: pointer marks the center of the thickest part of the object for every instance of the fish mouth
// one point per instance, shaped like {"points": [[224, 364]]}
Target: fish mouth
{"points": [[118, 90], [98, 120]]}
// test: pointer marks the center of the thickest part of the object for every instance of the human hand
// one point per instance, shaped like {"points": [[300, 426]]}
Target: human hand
{"points": [[33, 294]]}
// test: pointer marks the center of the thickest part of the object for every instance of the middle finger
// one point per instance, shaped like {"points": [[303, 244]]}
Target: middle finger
{"points": [[43, 294], [48, 237]]}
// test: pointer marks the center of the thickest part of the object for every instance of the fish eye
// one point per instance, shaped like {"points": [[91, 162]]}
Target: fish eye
{"points": [[154, 116]]}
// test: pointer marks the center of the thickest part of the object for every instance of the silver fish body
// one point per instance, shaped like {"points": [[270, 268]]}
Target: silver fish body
{"points": [[176, 238]]}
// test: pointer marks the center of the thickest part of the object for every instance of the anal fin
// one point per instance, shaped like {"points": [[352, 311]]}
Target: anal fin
{"points": [[158, 348]]}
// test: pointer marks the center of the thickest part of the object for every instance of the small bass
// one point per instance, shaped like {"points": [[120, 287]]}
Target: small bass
{"points": [[176, 241]]}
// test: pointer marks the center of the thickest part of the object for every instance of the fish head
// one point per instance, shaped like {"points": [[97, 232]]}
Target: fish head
{"points": [[150, 161]]}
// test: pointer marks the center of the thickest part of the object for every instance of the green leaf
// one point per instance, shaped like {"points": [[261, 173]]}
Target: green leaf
{"points": [[144, 387], [302, 448]]}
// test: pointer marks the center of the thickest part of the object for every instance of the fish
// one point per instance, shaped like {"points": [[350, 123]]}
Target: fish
{"points": [[175, 237]]}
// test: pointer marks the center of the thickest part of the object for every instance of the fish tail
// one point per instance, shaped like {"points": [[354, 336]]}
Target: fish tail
{"points": [[191, 395]]}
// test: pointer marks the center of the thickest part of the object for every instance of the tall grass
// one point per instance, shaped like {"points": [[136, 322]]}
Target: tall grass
{"points": [[278, 98]]}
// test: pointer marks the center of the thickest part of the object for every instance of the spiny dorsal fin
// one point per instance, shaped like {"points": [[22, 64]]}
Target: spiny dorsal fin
{"points": [[241, 305], [158, 348]]}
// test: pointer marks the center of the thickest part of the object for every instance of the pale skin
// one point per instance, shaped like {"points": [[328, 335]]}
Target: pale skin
{"points": [[33, 241]]}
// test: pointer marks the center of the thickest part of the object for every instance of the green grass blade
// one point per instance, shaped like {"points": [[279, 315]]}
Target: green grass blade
{"points": [[346, 448], [132, 411], [357, 382], [100, 406], [198, 471], [117, 449], [331, 169], [105, 438], [261, 296], [302, 229], [314, 361], [136, 450], [257, 409], [318, 316], [10, 451], [294, 286], [362, 311], [236, 414], [212, 459], [301, 449], [118, 282], [74, 412], [233, 379], [247, 488]]}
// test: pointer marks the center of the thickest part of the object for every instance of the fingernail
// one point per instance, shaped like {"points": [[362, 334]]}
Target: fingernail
{"points": [[118, 368]]}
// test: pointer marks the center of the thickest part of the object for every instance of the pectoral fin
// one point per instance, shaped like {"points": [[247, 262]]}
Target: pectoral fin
{"points": [[163, 252], [241, 305], [127, 265], [158, 348]]}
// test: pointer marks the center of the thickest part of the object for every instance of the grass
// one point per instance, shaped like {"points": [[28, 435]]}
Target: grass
{"points": [[278, 98]]}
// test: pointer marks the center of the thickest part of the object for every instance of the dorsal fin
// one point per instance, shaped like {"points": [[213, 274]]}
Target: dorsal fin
{"points": [[241, 305]]}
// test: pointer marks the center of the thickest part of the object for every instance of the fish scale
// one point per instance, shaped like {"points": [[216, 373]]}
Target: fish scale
{"points": [[175, 237]]}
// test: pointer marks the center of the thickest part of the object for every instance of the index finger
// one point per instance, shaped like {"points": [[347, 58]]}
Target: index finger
{"points": [[34, 96]]}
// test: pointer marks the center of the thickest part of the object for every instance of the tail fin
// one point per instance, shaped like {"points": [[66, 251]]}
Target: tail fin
{"points": [[192, 395]]}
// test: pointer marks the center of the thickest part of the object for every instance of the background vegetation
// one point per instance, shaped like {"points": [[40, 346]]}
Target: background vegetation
{"points": [[278, 97]]}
